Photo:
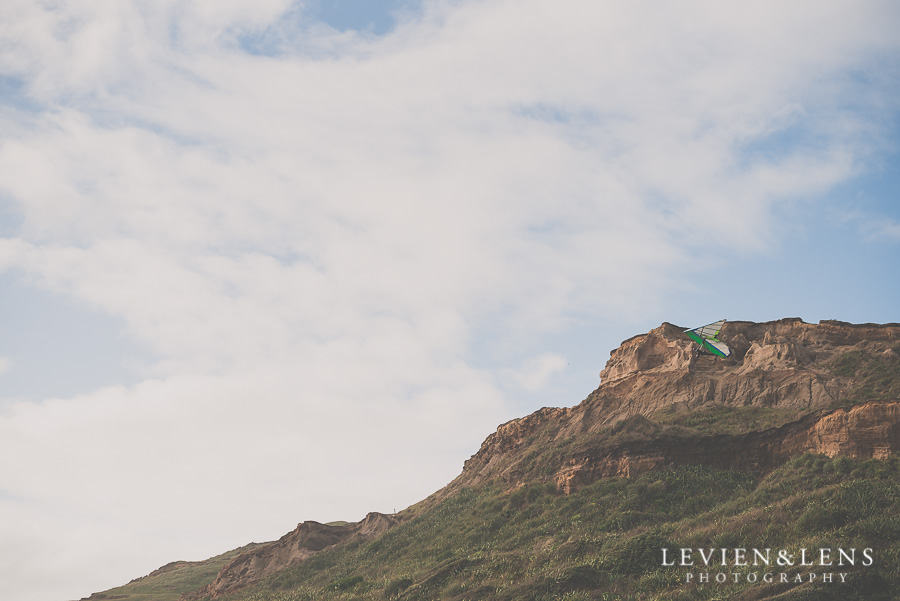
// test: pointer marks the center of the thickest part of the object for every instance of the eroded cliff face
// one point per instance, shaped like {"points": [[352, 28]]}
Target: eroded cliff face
{"points": [[782, 363], [787, 364], [304, 541]]}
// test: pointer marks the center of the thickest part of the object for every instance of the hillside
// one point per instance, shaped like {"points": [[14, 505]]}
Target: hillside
{"points": [[788, 444], [169, 582]]}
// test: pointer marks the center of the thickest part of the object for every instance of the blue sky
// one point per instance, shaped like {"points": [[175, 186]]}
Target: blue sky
{"points": [[270, 225], [378, 17]]}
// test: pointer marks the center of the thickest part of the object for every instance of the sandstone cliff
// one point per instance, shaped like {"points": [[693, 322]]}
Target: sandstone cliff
{"points": [[796, 375]]}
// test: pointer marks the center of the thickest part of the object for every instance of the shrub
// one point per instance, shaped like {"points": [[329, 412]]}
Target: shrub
{"points": [[397, 586], [346, 583], [637, 554]]}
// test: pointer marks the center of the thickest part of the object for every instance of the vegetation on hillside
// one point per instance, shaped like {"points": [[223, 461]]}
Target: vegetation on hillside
{"points": [[169, 582], [728, 419], [605, 541], [872, 376]]}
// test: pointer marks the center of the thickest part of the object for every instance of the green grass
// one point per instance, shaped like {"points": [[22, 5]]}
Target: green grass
{"points": [[872, 376], [728, 419], [173, 580], [604, 541]]}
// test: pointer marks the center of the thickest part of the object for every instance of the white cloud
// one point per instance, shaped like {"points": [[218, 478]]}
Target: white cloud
{"points": [[883, 229], [536, 372], [5, 364], [315, 242], [891, 230]]}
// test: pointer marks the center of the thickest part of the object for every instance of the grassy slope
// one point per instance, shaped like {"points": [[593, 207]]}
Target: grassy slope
{"points": [[171, 581], [534, 543], [873, 376]]}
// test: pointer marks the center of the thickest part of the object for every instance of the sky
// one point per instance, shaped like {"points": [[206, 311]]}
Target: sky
{"points": [[270, 261]]}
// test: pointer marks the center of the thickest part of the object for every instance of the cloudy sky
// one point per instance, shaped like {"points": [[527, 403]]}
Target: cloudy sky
{"points": [[265, 261]]}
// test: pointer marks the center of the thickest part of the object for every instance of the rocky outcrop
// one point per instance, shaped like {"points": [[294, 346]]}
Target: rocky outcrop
{"points": [[305, 540], [781, 363], [786, 364], [871, 430]]}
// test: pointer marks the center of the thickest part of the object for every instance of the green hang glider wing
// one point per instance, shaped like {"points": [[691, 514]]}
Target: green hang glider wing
{"points": [[705, 336]]}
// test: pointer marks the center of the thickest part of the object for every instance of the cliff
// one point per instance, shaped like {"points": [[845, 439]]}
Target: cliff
{"points": [[783, 391]]}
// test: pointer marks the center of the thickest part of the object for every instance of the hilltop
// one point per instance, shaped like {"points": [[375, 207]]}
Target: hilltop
{"points": [[790, 441], [658, 404]]}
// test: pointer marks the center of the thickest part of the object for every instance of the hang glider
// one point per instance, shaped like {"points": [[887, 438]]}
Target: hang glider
{"points": [[705, 337]]}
